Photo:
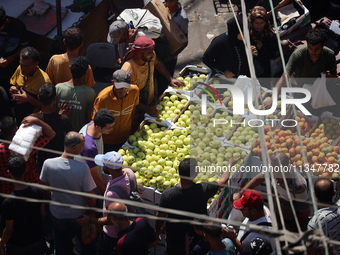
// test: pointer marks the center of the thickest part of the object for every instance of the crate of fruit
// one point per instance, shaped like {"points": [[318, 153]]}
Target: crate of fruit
{"points": [[171, 104], [220, 122], [194, 75], [327, 129], [197, 118], [157, 152], [307, 124], [213, 93], [242, 134], [183, 118]]}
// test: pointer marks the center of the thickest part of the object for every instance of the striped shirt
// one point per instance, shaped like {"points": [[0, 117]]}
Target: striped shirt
{"points": [[330, 222]]}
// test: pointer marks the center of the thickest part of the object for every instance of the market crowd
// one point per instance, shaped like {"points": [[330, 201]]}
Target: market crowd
{"points": [[77, 122]]}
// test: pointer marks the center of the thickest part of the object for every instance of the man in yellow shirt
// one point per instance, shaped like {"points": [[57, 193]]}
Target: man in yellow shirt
{"points": [[58, 68], [121, 99], [26, 82], [141, 65]]}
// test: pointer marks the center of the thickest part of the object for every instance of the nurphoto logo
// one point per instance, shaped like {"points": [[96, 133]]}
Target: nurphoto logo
{"points": [[238, 99]]}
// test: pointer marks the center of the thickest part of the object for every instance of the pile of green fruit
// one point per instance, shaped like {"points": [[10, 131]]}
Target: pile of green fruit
{"points": [[170, 106], [157, 153]]}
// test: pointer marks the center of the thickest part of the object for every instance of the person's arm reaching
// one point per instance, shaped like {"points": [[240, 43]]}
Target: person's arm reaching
{"points": [[159, 224], [163, 71], [225, 176], [253, 183], [86, 220], [151, 110], [46, 129], [188, 241], [98, 179], [281, 83], [6, 235], [90, 201]]}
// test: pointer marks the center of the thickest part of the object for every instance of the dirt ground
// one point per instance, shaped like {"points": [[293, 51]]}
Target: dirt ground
{"points": [[204, 25]]}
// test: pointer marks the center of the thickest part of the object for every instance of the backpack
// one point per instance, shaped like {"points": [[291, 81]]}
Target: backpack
{"points": [[133, 196], [248, 232]]}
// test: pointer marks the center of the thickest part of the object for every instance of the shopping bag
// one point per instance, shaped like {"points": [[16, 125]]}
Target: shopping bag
{"points": [[147, 23], [319, 93], [244, 82]]}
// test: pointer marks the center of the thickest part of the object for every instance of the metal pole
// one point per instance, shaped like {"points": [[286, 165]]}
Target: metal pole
{"points": [[58, 7]]}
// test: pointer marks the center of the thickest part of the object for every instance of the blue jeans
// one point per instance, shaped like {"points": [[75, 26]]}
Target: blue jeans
{"points": [[105, 244], [63, 232]]}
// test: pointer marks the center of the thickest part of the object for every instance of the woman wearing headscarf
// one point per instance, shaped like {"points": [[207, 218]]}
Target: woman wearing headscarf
{"points": [[262, 38], [226, 53]]}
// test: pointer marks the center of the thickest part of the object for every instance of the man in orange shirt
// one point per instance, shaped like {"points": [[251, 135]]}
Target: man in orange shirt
{"points": [[121, 99]]}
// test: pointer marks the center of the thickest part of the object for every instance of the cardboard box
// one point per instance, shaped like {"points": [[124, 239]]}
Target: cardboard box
{"points": [[177, 40], [301, 21]]}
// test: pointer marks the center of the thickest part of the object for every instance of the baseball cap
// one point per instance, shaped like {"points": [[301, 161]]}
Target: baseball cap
{"points": [[108, 158], [256, 246], [121, 79], [250, 198], [116, 30]]}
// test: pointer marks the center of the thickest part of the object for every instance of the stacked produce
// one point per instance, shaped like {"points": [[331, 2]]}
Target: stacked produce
{"points": [[322, 159], [219, 129], [244, 135], [304, 124], [157, 152], [329, 128], [170, 106], [192, 80]]}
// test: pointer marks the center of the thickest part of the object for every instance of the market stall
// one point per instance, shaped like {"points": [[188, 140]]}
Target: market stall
{"points": [[182, 130], [43, 29]]}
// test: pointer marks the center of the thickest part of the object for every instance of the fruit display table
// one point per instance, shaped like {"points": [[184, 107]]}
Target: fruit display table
{"points": [[155, 150]]}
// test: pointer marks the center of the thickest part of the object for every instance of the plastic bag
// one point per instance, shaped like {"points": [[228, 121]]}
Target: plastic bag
{"points": [[319, 93], [147, 23], [244, 82]]}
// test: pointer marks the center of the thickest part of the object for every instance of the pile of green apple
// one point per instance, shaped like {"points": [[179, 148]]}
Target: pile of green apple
{"points": [[218, 129], [214, 155], [219, 91], [169, 107], [277, 113], [244, 135], [191, 82], [197, 117], [184, 119], [230, 105], [222, 128], [157, 155]]}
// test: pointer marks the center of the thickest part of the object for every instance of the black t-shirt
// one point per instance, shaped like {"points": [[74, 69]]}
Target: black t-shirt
{"points": [[135, 238], [28, 227], [16, 36], [193, 199]]}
